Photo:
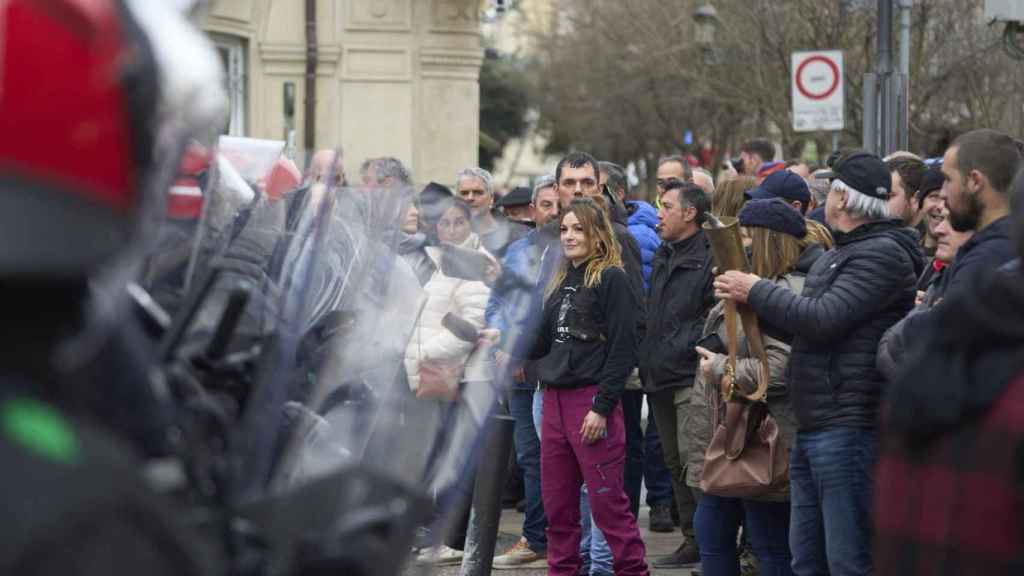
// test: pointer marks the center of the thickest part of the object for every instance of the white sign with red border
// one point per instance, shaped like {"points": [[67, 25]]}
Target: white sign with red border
{"points": [[817, 87]]}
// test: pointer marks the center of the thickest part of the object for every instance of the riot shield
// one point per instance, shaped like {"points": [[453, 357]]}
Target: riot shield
{"points": [[300, 319], [349, 430]]}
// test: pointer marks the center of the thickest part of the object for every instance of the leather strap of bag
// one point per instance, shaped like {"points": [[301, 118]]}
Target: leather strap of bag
{"points": [[737, 414], [752, 329], [732, 338]]}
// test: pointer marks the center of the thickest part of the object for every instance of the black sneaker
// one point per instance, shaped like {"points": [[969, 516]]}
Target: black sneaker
{"points": [[661, 518], [685, 556]]}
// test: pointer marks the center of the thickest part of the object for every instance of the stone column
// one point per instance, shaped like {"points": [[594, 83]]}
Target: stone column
{"points": [[448, 127]]}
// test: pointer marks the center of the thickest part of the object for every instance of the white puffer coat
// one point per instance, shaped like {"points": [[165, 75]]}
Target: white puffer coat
{"points": [[464, 298]]}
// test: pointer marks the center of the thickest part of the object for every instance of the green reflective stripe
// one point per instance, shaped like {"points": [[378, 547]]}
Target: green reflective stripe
{"points": [[40, 429]]}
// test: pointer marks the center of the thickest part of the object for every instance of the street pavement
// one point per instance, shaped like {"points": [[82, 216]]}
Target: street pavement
{"points": [[658, 545]]}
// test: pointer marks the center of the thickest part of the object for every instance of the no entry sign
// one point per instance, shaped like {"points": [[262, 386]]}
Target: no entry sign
{"points": [[817, 87]]}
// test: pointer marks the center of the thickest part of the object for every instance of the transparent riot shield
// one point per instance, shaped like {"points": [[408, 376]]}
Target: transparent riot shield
{"points": [[351, 426], [302, 323]]}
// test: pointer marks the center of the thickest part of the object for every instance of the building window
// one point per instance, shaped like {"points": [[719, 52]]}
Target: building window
{"points": [[232, 54]]}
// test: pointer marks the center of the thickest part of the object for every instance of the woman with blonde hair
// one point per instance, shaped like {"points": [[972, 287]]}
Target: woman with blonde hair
{"points": [[730, 195], [775, 230], [586, 349]]}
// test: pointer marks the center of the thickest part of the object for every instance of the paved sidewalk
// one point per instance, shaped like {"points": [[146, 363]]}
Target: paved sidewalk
{"points": [[512, 522]]}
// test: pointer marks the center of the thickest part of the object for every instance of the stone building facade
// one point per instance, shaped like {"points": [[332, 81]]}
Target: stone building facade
{"points": [[393, 77]]}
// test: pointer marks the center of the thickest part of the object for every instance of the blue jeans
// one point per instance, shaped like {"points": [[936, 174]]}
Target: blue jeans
{"points": [[593, 547], [657, 477], [830, 486], [766, 524], [528, 456]]}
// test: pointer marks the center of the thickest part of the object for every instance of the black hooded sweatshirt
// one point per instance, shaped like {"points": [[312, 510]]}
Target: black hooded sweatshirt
{"points": [[588, 336]]}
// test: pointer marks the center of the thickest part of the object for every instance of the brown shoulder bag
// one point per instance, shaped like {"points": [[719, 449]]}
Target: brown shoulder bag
{"points": [[746, 457]]}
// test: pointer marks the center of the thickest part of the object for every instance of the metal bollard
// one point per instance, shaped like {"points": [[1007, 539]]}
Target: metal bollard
{"points": [[482, 537]]}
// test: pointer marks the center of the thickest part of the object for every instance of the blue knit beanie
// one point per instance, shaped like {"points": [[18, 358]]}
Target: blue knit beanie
{"points": [[773, 214]]}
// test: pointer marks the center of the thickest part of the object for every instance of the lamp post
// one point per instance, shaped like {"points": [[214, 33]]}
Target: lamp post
{"points": [[707, 21]]}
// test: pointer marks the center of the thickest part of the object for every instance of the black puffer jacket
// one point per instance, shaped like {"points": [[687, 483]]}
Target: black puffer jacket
{"points": [[852, 296], [678, 301]]}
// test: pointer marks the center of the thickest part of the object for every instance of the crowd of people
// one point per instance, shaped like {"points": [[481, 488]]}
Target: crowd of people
{"points": [[832, 357], [863, 277]]}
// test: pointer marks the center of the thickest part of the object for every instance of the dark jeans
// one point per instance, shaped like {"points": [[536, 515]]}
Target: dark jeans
{"points": [[830, 486], [632, 411], [528, 456], [657, 478], [766, 525]]}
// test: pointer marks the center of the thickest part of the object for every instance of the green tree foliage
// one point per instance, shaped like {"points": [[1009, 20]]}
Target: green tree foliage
{"points": [[503, 106]]}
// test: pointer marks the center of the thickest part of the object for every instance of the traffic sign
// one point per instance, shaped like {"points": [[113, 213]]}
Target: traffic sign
{"points": [[817, 88]]}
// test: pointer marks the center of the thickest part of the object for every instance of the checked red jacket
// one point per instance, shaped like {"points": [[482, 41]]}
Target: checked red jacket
{"points": [[955, 505]]}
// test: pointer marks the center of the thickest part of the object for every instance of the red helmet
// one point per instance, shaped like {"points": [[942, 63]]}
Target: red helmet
{"points": [[88, 113]]}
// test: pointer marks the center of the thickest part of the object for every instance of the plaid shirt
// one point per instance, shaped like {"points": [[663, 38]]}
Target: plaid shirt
{"points": [[955, 505]]}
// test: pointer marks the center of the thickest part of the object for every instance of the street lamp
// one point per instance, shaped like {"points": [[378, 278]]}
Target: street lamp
{"points": [[706, 19]]}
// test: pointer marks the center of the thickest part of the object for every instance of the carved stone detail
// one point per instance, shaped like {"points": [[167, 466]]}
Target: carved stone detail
{"points": [[457, 15], [378, 15]]}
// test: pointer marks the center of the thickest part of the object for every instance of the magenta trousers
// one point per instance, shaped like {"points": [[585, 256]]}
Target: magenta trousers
{"points": [[566, 462]]}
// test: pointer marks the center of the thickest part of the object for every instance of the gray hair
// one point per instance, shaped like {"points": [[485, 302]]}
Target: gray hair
{"points": [[819, 189], [902, 154], [479, 173], [387, 167], [860, 205], [545, 181]]}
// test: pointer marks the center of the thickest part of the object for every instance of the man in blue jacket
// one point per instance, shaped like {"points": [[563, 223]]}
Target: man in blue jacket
{"points": [[644, 460]]}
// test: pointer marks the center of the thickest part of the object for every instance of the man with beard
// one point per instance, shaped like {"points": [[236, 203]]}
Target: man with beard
{"points": [[950, 477], [978, 170]]}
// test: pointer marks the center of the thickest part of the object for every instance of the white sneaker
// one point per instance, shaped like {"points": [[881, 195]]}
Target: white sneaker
{"points": [[440, 556], [517, 556]]}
